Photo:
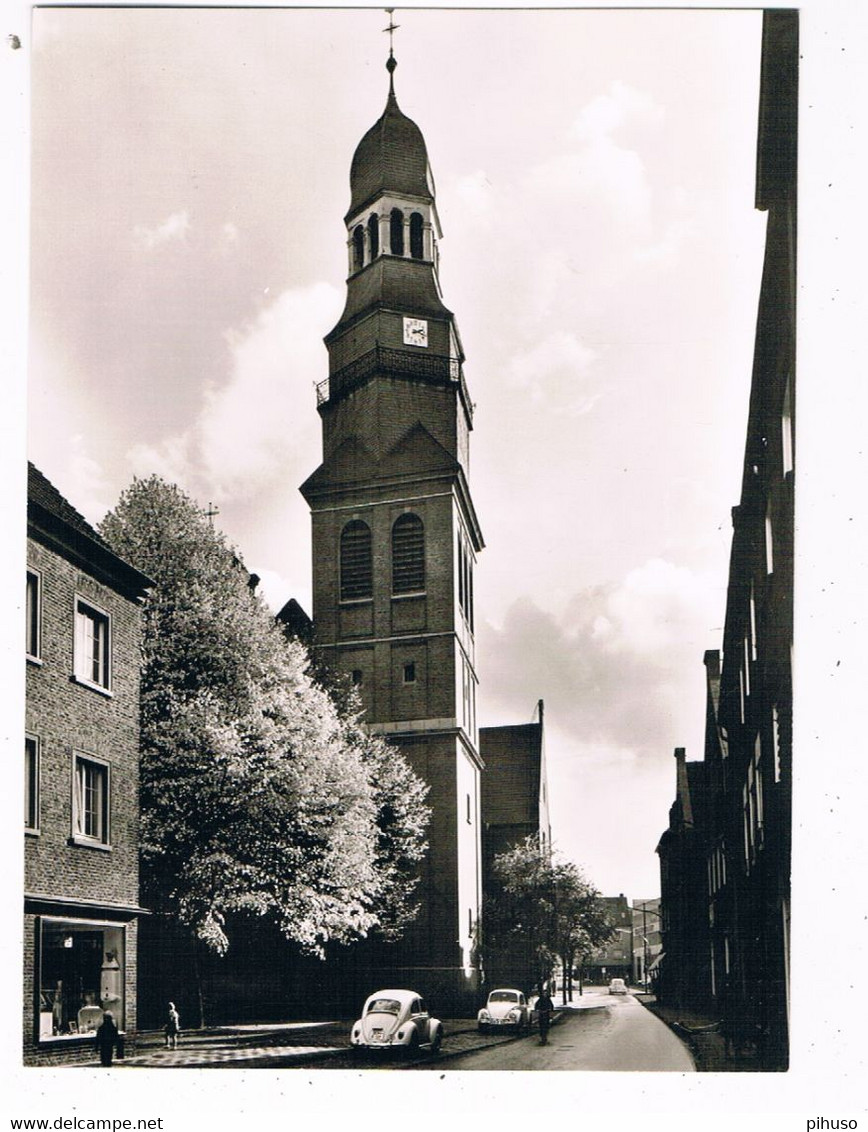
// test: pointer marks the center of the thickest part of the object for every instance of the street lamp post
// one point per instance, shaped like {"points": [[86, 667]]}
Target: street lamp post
{"points": [[644, 910]]}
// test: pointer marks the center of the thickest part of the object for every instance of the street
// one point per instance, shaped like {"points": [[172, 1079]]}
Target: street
{"points": [[596, 1032], [606, 1033]]}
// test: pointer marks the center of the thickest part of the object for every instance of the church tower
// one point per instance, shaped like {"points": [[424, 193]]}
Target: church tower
{"points": [[395, 534]]}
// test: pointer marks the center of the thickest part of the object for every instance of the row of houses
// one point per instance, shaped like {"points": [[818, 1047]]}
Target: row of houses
{"points": [[725, 856]]}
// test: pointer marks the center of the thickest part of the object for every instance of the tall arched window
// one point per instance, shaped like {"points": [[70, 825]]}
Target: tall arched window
{"points": [[358, 248], [417, 247], [396, 231], [356, 562], [374, 234], [408, 555]]}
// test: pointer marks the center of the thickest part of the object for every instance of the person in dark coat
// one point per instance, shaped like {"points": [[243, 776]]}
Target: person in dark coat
{"points": [[107, 1038], [544, 1008], [173, 1027]]}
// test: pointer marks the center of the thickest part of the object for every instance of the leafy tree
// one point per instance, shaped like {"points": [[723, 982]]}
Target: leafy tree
{"points": [[258, 795], [544, 909]]}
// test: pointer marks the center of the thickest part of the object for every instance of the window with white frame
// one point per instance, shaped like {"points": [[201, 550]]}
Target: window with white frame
{"points": [[787, 428], [33, 627], [92, 645], [752, 802], [770, 543], [31, 783], [90, 800], [776, 742]]}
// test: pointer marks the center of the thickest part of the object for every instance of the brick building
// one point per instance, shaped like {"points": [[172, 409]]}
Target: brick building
{"points": [[615, 959], [81, 804], [515, 805], [735, 857]]}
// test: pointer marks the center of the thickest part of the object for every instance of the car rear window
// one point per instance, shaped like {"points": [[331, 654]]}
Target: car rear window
{"points": [[384, 1006], [503, 996]]}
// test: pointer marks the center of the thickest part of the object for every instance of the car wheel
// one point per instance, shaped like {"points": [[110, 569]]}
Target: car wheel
{"points": [[483, 1029], [437, 1042]]}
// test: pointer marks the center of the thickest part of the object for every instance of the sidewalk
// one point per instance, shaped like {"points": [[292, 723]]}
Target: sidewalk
{"points": [[281, 1045], [704, 1038]]}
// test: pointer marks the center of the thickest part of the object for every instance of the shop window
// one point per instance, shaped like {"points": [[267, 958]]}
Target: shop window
{"points": [[33, 628], [81, 975], [356, 561], [374, 235], [92, 645], [410, 673], [90, 800], [408, 555], [31, 783]]}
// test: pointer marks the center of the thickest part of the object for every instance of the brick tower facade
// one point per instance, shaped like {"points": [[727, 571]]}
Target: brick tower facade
{"points": [[395, 535]]}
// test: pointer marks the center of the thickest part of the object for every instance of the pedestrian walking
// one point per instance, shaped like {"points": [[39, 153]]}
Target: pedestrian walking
{"points": [[172, 1027], [544, 1006], [107, 1039]]}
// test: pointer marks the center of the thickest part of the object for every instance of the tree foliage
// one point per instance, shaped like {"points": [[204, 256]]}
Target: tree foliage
{"points": [[545, 908], [258, 794]]}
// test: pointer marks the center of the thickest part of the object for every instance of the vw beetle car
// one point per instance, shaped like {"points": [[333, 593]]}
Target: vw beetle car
{"points": [[505, 1007], [617, 986], [396, 1020]]}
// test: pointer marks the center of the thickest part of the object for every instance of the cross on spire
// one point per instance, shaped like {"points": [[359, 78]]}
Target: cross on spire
{"points": [[211, 512], [391, 62], [393, 27]]}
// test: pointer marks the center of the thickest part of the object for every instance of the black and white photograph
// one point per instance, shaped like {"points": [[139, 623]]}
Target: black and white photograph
{"points": [[437, 442]]}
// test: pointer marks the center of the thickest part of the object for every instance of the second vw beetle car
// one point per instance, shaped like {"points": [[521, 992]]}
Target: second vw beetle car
{"points": [[506, 1007], [396, 1020]]}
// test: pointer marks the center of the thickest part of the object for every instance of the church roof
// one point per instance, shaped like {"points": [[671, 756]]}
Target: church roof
{"points": [[391, 157]]}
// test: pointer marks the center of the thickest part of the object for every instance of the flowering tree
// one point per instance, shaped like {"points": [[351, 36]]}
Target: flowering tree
{"points": [[258, 794], [544, 909]]}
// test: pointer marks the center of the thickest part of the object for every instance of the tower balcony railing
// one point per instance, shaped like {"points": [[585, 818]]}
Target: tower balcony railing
{"points": [[436, 369]]}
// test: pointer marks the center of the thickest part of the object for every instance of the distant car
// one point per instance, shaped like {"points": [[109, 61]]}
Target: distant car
{"points": [[617, 986], [396, 1020], [505, 1008]]}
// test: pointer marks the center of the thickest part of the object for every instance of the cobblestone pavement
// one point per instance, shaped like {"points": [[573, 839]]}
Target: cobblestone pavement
{"points": [[296, 1044]]}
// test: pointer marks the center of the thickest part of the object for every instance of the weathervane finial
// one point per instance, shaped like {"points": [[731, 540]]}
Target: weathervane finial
{"points": [[391, 62]]}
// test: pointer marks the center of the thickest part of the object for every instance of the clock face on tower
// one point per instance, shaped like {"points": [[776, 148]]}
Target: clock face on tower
{"points": [[415, 332]]}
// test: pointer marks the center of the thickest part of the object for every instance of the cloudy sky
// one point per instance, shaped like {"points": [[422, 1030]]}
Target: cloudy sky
{"points": [[595, 177]]}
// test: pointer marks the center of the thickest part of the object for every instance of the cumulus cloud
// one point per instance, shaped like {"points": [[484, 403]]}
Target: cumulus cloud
{"points": [[553, 371], [611, 666], [174, 227], [251, 427]]}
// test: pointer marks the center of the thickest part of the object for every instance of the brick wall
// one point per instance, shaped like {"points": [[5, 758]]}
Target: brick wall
{"points": [[67, 717]]}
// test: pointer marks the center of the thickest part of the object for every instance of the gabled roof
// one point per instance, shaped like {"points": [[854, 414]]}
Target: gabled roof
{"points": [[52, 520], [513, 757], [417, 451]]}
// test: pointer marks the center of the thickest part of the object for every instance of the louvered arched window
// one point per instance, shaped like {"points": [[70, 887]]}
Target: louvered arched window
{"points": [[408, 555], [417, 247], [356, 562], [374, 234], [358, 248], [396, 232]]}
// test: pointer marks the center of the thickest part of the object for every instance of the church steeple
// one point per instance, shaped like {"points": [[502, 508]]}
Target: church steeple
{"points": [[394, 320], [395, 533]]}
